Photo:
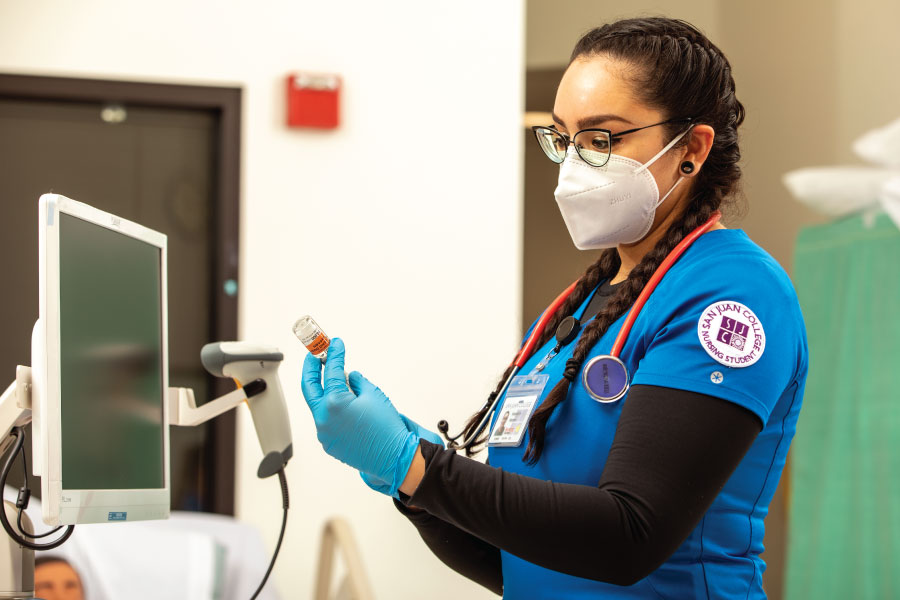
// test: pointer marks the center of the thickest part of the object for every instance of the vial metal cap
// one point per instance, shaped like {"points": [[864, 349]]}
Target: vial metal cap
{"points": [[305, 326]]}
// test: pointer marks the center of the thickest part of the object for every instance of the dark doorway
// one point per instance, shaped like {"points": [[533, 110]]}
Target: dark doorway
{"points": [[164, 156]]}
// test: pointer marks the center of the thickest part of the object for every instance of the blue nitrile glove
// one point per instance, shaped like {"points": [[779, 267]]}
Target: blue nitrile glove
{"points": [[381, 486], [360, 427]]}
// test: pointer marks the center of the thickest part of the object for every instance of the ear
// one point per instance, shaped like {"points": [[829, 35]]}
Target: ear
{"points": [[698, 147]]}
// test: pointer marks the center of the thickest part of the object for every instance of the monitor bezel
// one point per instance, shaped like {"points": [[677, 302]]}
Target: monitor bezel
{"points": [[62, 506]]}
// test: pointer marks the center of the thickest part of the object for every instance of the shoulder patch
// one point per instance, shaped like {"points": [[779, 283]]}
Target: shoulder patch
{"points": [[731, 334]]}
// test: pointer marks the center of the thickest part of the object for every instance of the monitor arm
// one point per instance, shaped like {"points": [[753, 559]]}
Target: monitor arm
{"points": [[183, 409], [15, 407]]}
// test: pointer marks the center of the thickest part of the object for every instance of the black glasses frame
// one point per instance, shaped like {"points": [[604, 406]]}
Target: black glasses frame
{"points": [[537, 129]]}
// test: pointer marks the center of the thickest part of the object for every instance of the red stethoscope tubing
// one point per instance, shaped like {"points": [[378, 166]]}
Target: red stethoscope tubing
{"points": [[658, 274], [526, 351]]}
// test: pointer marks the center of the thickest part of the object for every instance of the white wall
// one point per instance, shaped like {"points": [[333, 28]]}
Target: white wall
{"points": [[397, 232]]}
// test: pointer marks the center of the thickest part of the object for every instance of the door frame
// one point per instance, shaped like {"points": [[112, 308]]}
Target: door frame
{"points": [[226, 103]]}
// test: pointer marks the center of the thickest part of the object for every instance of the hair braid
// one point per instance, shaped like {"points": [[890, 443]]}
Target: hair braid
{"points": [[604, 268]]}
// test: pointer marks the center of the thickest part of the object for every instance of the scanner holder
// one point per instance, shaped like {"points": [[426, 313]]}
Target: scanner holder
{"points": [[183, 409]]}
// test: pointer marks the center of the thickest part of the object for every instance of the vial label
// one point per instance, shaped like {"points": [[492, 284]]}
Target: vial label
{"points": [[318, 344]]}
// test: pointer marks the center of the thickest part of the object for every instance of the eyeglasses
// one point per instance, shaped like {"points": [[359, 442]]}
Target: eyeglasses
{"points": [[593, 145]]}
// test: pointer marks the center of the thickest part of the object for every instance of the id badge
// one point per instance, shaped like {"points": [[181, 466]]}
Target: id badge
{"points": [[521, 397]]}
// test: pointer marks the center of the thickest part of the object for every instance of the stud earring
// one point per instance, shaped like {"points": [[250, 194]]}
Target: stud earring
{"points": [[687, 167]]}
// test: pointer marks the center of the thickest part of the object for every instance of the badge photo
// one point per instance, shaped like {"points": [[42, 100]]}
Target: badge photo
{"points": [[521, 398], [731, 334]]}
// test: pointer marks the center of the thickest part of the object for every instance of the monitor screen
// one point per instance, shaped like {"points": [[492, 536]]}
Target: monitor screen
{"points": [[111, 359]]}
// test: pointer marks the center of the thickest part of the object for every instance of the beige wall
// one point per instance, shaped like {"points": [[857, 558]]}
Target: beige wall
{"points": [[867, 93], [552, 27], [813, 76], [787, 80]]}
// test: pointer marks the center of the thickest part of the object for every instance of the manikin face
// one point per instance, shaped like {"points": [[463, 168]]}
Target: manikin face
{"points": [[57, 581]]}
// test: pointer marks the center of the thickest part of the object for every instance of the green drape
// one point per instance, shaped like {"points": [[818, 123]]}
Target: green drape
{"points": [[844, 532]]}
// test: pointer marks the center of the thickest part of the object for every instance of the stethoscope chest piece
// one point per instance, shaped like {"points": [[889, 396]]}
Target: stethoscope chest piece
{"points": [[605, 378]]}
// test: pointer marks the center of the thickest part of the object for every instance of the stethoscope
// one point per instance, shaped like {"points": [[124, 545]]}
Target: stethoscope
{"points": [[605, 377]]}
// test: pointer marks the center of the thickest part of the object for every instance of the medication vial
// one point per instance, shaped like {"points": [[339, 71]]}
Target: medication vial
{"points": [[311, 335]]}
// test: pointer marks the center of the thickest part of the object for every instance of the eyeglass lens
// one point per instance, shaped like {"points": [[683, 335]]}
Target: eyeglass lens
{"points": [[592, 146], [552, 143]]}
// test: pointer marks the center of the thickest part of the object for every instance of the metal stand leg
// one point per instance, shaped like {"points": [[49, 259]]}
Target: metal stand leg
{"points": [[16, 563]]}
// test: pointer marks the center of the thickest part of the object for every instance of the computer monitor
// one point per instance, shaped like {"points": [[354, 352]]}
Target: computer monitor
{"points": [[100, 367]]}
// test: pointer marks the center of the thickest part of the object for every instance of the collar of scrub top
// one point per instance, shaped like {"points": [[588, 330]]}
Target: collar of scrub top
{"points": [[568, 329], [605, 377]]}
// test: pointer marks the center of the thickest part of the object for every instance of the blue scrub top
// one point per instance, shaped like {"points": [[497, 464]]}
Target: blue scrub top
{"points": [[724, 321]]}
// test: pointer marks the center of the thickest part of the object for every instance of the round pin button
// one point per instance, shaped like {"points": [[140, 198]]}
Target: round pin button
{"points": [[605, 378]]}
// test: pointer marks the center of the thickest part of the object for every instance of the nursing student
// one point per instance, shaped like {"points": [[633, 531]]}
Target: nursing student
{"points": [[656, 413]]}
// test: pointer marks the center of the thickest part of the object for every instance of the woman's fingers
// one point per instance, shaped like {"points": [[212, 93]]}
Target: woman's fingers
{"points": [[311, 384], [334, 368]]}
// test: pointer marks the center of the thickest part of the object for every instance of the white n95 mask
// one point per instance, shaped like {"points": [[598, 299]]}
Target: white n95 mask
{"points": [[609, 205]]}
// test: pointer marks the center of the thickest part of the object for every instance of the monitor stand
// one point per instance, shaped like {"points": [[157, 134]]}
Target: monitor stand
{"points": [[16, 562]]}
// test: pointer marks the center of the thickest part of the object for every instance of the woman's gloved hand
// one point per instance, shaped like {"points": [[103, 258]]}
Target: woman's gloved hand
{"points": [[357, 425], [385, 487]]}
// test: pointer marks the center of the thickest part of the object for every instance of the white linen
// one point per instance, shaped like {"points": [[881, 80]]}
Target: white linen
{"points": [[880, 146], [838, 191]]}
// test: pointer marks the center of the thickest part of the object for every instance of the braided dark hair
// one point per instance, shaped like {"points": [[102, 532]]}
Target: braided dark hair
{"points": [[678, 71]]}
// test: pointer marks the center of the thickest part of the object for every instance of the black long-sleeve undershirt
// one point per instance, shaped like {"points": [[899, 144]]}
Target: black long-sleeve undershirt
{"points": [[466, 554], [672, 453]]}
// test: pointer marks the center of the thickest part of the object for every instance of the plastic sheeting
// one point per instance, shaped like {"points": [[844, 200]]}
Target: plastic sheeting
{"points": [[839, 191], [844, 531]]}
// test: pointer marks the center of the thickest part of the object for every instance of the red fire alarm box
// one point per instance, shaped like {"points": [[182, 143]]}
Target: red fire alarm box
{"points": [[313, 100]]}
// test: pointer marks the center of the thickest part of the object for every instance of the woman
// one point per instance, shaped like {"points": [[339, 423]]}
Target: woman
{"points": [[661, 491]]}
